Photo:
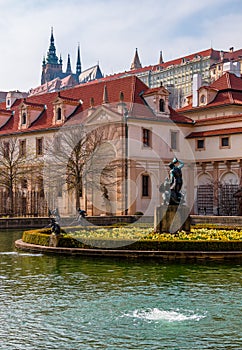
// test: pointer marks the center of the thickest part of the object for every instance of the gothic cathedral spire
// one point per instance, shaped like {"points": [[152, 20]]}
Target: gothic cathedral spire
{"points": [[136, 61], [51, 55], [68, 68], [78, 62]]}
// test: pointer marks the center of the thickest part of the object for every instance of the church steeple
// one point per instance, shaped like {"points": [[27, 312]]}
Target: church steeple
{"points": [[136, 61], [78, 62], [68, 67], [51, 55], [161, 58]]}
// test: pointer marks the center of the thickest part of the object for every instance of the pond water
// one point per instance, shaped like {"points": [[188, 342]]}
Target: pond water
{"points": [[63, 302]]}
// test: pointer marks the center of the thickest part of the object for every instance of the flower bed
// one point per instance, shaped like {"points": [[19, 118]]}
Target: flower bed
{"points": [[137, 238]]}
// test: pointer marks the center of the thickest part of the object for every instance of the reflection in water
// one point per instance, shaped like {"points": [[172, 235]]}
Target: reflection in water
{"points": [[64, 302]]}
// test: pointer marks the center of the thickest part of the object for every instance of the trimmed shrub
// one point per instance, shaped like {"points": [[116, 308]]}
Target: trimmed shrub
{"points": [[33, 237], [39, 238]]}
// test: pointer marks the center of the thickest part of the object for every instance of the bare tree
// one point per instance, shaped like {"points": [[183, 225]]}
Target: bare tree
{"points": [[13, 167], [76, 156]]}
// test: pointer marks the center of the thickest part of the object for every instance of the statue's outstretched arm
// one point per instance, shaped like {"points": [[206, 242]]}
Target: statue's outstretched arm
{"points": [[181, 164]]}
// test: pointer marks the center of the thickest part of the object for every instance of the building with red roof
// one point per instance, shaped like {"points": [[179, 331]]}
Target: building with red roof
{"points": [[216, 143], [140, 134], [177, 74]]}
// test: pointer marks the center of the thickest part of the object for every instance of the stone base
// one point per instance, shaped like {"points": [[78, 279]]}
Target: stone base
{"points": [[54, 240], [171, 218]]}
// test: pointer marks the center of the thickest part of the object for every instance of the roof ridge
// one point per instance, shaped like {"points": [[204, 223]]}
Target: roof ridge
{"points": [[33, 103]]}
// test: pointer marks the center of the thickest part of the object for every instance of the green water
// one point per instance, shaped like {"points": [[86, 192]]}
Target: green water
{"points": [[53, 302]]}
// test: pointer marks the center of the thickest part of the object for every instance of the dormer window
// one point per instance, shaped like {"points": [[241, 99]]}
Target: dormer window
{"points": [[24, 119], [203, 99], [162, 105], [58, 112]]}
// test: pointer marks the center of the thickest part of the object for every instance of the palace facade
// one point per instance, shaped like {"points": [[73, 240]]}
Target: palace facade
{"points": [[128, 134]]}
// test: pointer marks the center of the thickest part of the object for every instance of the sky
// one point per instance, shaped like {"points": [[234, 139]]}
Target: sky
{"points": [[108, 32]]}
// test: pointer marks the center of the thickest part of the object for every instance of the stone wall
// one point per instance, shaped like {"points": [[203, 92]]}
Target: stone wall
{"points": [[26, 223]]}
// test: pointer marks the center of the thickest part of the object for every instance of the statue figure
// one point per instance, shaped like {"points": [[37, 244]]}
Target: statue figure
{"points": [[81, 214], [176, 178], [165, 189], [106, 199], [55, 227], [54, 221], [105, 193], [171, 188]]}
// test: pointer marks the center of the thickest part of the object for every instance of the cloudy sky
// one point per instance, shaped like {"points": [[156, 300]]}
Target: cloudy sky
{"points": [[108, 32]]}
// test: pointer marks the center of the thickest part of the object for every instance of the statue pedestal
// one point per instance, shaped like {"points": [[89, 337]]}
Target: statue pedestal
{"points": [[171, 218], [54, 240]]}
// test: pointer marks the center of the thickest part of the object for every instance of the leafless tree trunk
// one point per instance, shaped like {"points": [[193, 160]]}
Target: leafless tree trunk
{"points": [[76, 156], [13, 168]]}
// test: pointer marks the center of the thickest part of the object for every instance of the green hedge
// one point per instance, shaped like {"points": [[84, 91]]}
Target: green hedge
{"points": [[42, 237], [39, 238]]}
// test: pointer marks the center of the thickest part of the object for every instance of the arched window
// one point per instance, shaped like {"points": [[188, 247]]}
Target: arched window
{"points": [[58, 113], [162, 105], [203, 99], [24, 118]]}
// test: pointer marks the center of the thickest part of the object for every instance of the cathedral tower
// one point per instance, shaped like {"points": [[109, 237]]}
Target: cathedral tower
{"points": [[51, 66]]}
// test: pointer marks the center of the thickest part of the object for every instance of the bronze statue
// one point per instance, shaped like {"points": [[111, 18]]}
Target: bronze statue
{"points": [[171, 188], [55, 227]]}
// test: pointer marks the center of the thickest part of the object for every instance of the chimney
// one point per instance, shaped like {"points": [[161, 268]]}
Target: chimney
{"points": [[222, 55], [231, 49], [196, 84]]}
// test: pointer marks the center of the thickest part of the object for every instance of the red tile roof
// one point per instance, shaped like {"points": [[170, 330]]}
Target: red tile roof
{"points": [[225, 118], [229, 91], [233, 55], [131, 87], [213, 54], [179, 118], [227, 81], [219, 132]]}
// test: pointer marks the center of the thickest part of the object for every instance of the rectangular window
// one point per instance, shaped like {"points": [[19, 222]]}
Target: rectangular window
{"points": [[200, 144], [145, 185], [6, 149], [59, 188], [224, 142], [174, 140], [146, 138], [22, 148], [39, 146]]}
